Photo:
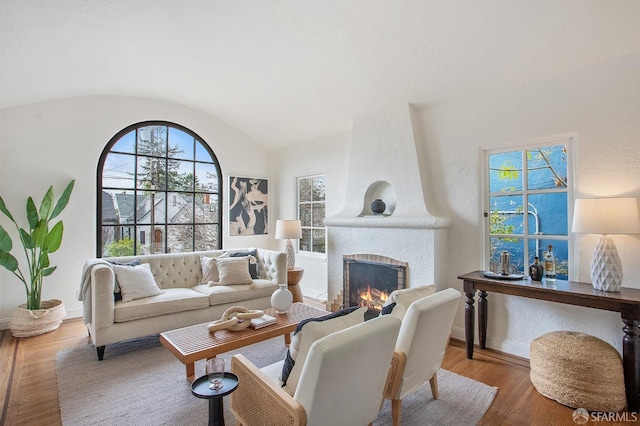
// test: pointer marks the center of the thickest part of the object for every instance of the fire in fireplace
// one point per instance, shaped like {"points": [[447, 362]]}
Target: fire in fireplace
{"points": [[369, 279]]}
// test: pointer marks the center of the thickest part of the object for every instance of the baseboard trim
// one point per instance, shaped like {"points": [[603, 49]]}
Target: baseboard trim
{"points": [[516, 350]]}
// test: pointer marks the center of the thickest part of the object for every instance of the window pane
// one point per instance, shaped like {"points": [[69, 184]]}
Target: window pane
{"points": [[506, 215], [180, 144], [152, 140], [207, 208], [109, 212], [551, 212], [305, 241], [318, 214], [206, 237], [118, 171], [304, 190], [547, 167], [125, 204], [180, 176], [318, 241], [202, 154], [514, 246], [180, 207], [144, 238], [207, 177], [305, 214], [505, 172], [121, 247], [108, 237], [151, 173], [179, 238], [144, 214], [318, 188], [560, 251], [127, 143]]}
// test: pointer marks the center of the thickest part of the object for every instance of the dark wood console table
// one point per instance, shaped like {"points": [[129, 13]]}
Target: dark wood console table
{"points": [[626, 301]]}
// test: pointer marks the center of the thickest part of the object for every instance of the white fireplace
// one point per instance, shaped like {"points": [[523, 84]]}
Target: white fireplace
{"points": [[384, 163]]}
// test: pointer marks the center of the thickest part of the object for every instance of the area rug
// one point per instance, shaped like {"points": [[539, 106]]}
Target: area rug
{"points": [[139, 382]]}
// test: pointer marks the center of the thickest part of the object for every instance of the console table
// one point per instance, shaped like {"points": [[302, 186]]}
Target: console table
{"points": [[626, 301]]}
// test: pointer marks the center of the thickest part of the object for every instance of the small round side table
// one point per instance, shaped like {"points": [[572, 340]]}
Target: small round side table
{"points": [[293, 279], [200, 389]]}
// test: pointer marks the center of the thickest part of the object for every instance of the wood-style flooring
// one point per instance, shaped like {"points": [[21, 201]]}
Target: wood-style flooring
{"points": [[30, 395]]}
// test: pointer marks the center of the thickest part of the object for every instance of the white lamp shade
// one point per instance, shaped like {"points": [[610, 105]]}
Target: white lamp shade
{"points": [[606, 216], [288, 229]]}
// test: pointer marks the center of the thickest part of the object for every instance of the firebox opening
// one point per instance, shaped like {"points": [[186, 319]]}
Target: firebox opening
{"points": [[368, 283]]}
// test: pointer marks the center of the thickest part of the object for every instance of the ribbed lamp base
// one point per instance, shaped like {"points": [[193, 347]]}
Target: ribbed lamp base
{"points": [[606, 268]]}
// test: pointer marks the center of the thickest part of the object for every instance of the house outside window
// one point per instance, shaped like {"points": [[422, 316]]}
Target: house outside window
{"points": [[311, 212], [159, 191], [529, 197]]}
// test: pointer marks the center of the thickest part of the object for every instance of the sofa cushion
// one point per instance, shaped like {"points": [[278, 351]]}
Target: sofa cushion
{"points": [[253, 265], [171, 301], [221, 294], [307, 333], [405, 297], [233, 271], [136, 282]]}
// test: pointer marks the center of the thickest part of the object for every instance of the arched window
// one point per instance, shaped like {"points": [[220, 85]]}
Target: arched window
{"points": [[159, 191]]}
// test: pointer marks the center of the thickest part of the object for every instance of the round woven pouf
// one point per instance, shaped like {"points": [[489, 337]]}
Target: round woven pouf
{"points": [[578, 370]]}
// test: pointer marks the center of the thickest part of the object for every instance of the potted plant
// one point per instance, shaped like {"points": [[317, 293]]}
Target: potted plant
{"points": [[36, 316]]}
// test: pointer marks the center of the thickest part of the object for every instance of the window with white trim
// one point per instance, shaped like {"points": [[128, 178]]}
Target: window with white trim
{"points": [[311, 212], [528, 199]]}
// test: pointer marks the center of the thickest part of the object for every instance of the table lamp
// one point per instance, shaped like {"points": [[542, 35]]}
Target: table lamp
{"points": [[606, 216], [288, 230]]}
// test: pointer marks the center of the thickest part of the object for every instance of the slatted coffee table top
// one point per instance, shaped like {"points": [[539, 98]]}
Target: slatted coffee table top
{"points": [[190, 344]]}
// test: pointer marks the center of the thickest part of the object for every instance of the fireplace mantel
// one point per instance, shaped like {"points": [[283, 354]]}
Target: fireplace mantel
{"points": [[403, 222]]}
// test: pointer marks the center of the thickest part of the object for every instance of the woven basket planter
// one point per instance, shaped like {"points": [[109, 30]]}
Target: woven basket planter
{"points": [[578, 370], [27, 323]]}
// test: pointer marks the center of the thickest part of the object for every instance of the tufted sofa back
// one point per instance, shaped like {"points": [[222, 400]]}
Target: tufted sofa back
{"points": [[176, 270]]}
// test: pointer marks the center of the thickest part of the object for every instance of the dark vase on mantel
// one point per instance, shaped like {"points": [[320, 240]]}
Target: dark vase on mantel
{"points": [[378, 206]]}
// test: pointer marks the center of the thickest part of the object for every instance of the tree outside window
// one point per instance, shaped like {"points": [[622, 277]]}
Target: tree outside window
{"points": [[528, 204], [311, 212], [159, 191]]}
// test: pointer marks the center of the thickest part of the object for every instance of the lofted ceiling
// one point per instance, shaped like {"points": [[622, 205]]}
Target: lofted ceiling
{"points": [[290, 71]]}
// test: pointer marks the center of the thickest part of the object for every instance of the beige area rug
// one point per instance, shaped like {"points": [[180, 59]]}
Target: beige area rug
{"points": [[139, 382]]}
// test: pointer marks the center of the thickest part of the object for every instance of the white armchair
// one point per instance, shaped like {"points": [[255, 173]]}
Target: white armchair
{"points": [[341, 383], [420, 348]]}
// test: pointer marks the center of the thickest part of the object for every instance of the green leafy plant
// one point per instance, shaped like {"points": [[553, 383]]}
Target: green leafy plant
{"points": [[37, 243]]}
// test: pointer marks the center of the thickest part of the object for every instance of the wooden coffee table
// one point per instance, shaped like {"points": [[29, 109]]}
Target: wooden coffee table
{"points": [[193, 343]]}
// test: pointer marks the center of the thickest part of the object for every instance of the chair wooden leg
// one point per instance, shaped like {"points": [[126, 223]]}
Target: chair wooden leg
{"points": [[396, 408], [433, 381]]}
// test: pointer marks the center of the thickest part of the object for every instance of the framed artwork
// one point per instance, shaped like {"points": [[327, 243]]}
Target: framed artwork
{"points": [[248, 206]]}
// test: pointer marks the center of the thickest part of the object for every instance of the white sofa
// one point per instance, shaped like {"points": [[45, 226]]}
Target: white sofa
{"points": [[184, 301]]}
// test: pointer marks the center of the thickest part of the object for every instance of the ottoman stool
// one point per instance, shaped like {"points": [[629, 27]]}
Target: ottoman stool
{"points": [[578, 370]]}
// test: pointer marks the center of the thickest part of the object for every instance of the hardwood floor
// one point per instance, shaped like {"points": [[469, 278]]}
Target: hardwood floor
{"points": [[29, 382]]}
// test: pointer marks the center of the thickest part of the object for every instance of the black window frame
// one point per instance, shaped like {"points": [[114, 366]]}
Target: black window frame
{"points": [[135, 188]]}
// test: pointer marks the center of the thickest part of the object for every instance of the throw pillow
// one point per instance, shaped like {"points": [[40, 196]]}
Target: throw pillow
{"points": [[253, 265], [233, 270], [306, 333], [209, 268], [116, 288], [405, 297], [136, 282]]}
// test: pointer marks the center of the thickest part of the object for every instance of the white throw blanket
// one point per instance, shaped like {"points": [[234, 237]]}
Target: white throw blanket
{"points": [[85, 287]]}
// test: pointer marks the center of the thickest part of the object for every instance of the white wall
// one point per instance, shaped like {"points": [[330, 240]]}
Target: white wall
{"points": [[328, 156], [601, 105], [52, 142]]}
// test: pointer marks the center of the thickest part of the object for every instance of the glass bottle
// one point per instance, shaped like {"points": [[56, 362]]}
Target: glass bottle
{"points": [[536, 270], [549, 265]]}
